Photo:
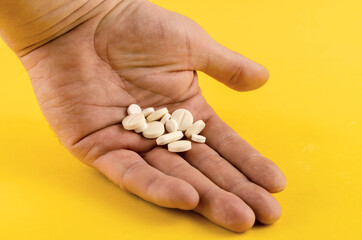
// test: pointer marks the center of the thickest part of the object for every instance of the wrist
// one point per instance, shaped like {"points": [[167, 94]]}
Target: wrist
{"points": [[26, 26]]}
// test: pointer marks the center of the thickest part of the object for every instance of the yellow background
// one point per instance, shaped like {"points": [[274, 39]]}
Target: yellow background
{"points": [[308, 119]]}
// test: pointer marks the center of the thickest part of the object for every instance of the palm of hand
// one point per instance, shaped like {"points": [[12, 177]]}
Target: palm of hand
{"points": [[140, 53]]}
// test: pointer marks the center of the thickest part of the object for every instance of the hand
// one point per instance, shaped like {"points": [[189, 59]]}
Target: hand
{"points": [[140, 53]]}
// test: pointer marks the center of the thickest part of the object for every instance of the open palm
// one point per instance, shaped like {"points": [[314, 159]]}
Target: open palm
{"points": [[141, 53]]}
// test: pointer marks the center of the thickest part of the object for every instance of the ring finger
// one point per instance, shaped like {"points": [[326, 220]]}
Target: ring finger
{"points": [[216, 204]]}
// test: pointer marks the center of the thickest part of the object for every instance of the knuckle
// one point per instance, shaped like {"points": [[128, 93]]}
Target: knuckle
{"points": [[228, 139]]}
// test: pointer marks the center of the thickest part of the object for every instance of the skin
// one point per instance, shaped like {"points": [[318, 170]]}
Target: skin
{"points": [[121, 52]]}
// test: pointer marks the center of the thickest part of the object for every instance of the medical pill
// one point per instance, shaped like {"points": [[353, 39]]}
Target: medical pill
{"points": [[148, 111], [198, 138], [154, 130], [179, 146], [171, 125], [196, 128], [153, 124], [183, 118], [133, 121], [157, 114], [169, 137], [133, 108], [165, 118], [142, 128]]}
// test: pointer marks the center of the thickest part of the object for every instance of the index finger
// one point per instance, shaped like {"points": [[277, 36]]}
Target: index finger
{"points": [[259, 169]]}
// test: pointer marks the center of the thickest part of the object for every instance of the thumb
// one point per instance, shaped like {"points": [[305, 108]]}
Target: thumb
{"points": [[230, 68]]}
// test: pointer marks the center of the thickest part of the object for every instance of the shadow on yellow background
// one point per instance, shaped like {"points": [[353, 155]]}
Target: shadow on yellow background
{"points": [[308, 119]]}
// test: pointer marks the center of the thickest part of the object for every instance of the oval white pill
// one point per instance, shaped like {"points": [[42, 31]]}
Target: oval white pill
{"points": [[171, 125], [183, 118], [196, 128], [133, 121], [169, 137], [154, 130], [133, 108], [198, 138], [179, 146], [157, 114], [148, 111], [165, 118], [142, 128]]}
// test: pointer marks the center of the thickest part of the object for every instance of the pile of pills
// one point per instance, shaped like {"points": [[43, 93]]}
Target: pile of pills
{"points": [[152, 124]]}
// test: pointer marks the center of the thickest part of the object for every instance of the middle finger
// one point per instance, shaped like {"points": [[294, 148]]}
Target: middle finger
{"points": [[225, 175]]}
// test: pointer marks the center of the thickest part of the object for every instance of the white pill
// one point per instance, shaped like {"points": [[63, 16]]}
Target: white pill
{"points": [[169, 138], [183, 118], [165, 118], [154, 130], [157, 114], [171, 125], [133, 108], [179, 146], [148, 111], [142, 128], [196, 128], [198, 138], [133, 121]]}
